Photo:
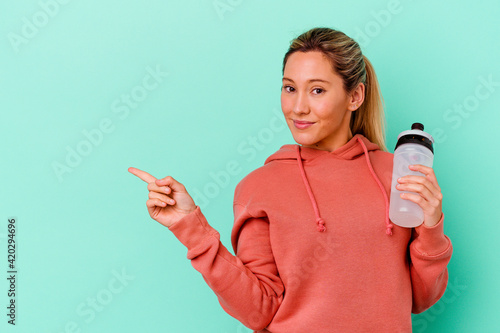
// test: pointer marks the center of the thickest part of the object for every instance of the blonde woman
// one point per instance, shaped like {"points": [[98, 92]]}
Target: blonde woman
{"points": [[315, 248]]}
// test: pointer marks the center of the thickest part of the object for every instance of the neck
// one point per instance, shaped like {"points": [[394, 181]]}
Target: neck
{"points": [[338, 142]]}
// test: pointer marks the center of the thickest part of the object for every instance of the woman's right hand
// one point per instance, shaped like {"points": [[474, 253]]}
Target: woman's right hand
{"points": [[168, 199]]}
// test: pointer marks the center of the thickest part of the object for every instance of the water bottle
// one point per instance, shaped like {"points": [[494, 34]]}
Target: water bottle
{"points": [[413, 147]]}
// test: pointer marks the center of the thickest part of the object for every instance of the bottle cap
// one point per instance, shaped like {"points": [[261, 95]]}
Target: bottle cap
{"points": [[416, 135], [417, 126]]}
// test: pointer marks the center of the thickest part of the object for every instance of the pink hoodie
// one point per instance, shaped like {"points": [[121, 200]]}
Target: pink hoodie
{"points": [[315, 250]]}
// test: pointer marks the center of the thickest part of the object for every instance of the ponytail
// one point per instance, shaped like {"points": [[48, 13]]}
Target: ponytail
{"points": [[369, 119]]}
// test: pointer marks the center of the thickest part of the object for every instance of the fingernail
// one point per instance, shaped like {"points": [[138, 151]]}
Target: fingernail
{"points": [[171, 201]]}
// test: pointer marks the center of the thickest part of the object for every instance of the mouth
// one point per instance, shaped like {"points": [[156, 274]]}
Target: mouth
{"points": [[302, 124]]}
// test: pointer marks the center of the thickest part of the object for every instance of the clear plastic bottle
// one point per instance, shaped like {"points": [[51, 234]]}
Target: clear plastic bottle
{"points": [[413, 147]]}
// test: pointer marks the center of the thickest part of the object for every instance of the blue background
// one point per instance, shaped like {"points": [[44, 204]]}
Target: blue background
{"points": [[68, 137]]}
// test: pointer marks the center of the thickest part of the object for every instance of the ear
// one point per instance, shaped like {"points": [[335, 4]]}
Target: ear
{"points": [[356, 97]]}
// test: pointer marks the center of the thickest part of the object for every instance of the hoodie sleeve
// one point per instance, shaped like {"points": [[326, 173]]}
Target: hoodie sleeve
{"points": [[430, 252], [247, 285]]}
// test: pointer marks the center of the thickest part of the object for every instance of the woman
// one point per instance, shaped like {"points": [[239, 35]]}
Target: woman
{"points": [[315, 249]]}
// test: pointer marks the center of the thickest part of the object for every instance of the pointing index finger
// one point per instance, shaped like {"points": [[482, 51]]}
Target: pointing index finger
{"points": [[142, 175]]}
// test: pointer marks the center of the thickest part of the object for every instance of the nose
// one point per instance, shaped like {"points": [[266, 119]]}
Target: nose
{"points": [[300, 104]]}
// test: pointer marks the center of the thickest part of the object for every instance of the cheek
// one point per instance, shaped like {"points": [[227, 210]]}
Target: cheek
{"points": [[324, 109], [286, 103], [328, 111]]}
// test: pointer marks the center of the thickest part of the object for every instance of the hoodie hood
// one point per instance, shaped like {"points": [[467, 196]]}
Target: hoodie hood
{"points": [[358, 145]]}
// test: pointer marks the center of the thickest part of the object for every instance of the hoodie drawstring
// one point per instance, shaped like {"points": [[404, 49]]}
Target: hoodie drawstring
{"points": [[319, 220], [388, 224]]}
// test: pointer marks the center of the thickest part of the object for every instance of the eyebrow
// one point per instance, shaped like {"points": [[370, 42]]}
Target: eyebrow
{"points": [[309, 81]]}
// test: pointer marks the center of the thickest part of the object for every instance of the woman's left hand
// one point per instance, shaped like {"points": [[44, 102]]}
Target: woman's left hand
{"points": [[427, 193]]}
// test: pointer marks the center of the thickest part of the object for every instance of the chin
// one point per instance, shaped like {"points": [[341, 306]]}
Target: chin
{"points": [[304, 140]]}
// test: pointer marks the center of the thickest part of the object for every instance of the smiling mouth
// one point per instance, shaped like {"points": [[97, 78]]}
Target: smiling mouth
{"points": [[302, 124]]}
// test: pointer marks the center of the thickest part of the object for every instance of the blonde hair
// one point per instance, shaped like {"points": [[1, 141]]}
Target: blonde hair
{"points": [[347, 60]]}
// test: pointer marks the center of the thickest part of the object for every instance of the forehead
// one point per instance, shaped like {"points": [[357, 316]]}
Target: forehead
{"points": [[307, 65]]}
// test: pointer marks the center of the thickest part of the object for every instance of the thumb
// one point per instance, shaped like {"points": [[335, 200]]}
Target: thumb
{"points": [[172, 183]]}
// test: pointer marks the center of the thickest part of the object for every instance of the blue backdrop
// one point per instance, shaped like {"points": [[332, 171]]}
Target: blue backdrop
{"points": [[192, 89]]}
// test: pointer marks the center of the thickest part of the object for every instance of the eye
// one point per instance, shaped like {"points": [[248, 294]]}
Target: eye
{"points": [[318, 90], [288, 88]]}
